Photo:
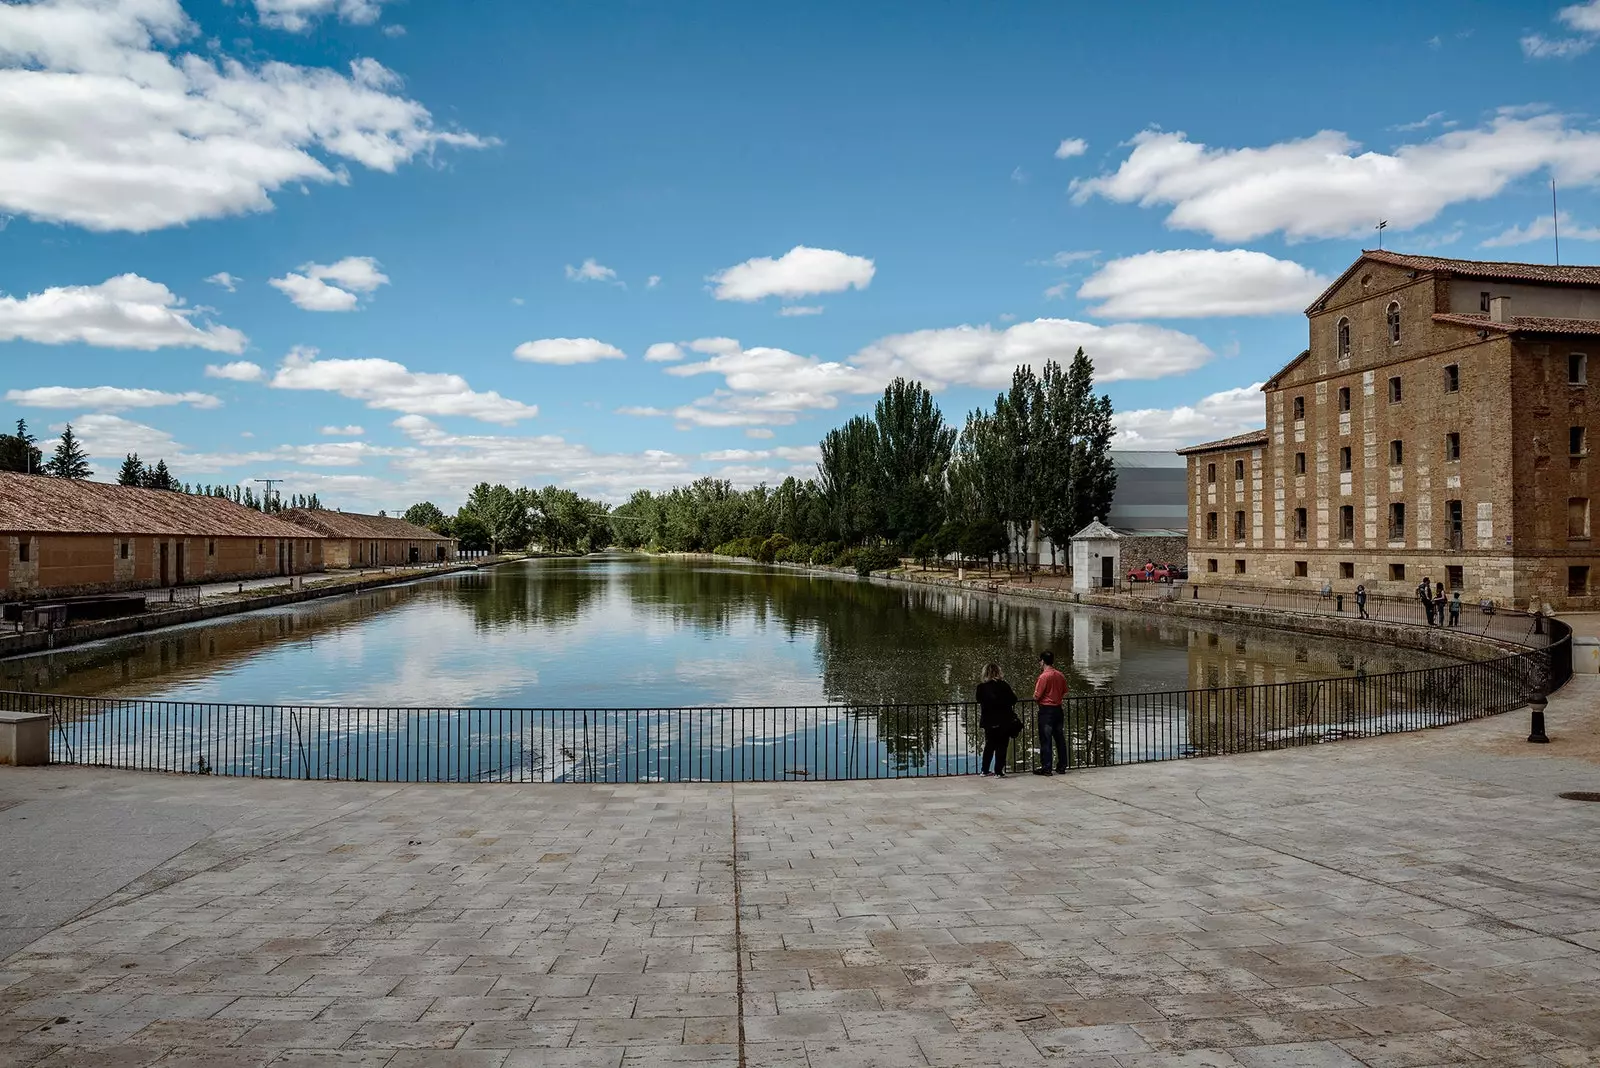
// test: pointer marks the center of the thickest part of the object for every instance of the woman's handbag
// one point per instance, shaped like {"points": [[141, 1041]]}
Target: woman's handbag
{"points": [[1016, 725]]}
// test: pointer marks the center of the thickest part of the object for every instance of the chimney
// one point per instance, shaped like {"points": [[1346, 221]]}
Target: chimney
{"points": [[1499, 309]]}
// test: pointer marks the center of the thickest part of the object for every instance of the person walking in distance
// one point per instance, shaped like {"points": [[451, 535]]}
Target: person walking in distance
{"points": [[1049, 691], [997, 703], [1425, 595], [1361, 601]]}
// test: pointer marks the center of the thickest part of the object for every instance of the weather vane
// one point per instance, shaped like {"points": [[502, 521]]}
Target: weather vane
{"points": [[1382, 223]]}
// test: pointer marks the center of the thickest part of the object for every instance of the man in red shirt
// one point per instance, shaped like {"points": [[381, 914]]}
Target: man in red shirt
{"points": [[1049, 691]]}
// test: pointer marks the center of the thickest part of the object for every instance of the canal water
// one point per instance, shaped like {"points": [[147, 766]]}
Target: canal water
{"points": [[635, 632]]}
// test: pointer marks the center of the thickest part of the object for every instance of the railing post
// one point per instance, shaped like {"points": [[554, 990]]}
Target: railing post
{"points": [[1537, 703]]}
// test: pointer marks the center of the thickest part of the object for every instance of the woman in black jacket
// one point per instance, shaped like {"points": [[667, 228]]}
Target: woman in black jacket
{"points": [[997, 704]]}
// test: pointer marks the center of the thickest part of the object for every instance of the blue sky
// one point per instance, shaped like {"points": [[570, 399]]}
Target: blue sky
{"points": [[308, 239]]}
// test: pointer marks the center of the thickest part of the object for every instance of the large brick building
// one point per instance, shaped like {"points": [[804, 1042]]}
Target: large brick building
{"points": [[60, 537], [356, 540], [1439, 425]]}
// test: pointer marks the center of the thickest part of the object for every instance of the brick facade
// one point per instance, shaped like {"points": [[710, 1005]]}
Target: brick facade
{"points": [[1414, 438]]}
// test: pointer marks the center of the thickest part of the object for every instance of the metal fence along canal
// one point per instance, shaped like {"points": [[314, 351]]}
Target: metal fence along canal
{"points": [[772, 744]]}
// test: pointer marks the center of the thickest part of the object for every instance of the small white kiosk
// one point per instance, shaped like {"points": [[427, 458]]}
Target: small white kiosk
{"points": [[1096, 557]]}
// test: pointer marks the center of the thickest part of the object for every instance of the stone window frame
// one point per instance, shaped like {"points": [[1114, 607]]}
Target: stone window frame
{"points": [[24, 548], [122, 548], [1302, 569], [1397, 572]]}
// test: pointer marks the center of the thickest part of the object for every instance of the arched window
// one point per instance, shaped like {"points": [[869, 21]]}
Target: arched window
{"points": [[1394, 323], [1343, 344]]}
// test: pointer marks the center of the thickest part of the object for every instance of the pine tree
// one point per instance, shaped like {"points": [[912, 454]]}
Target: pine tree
{"points": [[158, 477], [132, 473], [69, 460], [19, 453]]}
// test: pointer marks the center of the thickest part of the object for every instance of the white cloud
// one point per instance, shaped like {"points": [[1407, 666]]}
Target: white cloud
{"points": [[1538, 46], [444, 463], [797, 273], [1072, 146], [238, 371], [1191, 283], [1057, 291], [590, 272], [105, 125], [1321, 186], [1585, 17], [125, 312], [297, 16], [788, 381], [641, 410], [106, 398], [385, 384], [1019, 175], [1066, 259], [1219, 415], [225, 280], [352, 431], [331, 287], [789, 311], [1421, 124], [758, 432], [653, 281], [663, 352], [109, 437], [395, 30], [984, 356], [567, 350], [1539, 229]]}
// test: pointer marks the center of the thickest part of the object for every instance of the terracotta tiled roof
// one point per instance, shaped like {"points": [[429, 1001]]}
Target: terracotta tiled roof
{"points": [[41, 505], [1522, 324], [355, 525], [1509, 272], [1254, 437]]}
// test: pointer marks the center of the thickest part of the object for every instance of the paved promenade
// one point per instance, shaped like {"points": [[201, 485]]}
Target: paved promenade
{"points": [[1406, 901]]}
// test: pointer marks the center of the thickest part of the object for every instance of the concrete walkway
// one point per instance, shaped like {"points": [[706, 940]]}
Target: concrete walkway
{"points": [[1404, 901]]}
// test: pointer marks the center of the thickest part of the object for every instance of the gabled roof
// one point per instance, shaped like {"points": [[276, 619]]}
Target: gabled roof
{"points": [[1285, 369], [1505, 272], [1254, 437], [38, 504], [1096, 529], [355, 525], [1522, 324]]}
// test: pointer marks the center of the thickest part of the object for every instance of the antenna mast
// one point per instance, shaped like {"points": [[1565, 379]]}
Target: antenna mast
{"points": [[270, 482], [1555, 221]]}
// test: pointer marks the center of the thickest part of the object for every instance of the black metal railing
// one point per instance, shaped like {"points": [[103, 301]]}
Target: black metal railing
{"points": [[783, 744]]}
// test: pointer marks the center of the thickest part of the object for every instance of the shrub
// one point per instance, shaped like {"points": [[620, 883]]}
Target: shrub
{"points": [[876, 558]]}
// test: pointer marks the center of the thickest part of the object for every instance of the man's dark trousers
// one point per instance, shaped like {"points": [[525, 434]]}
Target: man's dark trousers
{"points": [[1052, 734]]}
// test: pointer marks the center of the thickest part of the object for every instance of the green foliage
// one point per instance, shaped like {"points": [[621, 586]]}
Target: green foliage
{"points": [[157, 477], [132, 472], [427, 514], [69, 460], [18, 452], [875, 558]]}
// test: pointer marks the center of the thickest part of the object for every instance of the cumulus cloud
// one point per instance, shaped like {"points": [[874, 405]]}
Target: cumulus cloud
{"points": [[125, 312], [791, 310], [663, 352], [385, 384], [1066, 259], [800, 272], [237, 371], [1583, 18], [445, 463], [759, 432], [225, 280], [106, 398], [653, 281], [107, 125], [108, 437], [590, 271], [332, 287], [352, 431], [567, 350], [1195, 283], [1072, 146], [297, 16], [1219, 415], [1541, 228], [1322, 186], [984, 356]]}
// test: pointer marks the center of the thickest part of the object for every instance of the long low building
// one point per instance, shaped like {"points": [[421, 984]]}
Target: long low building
{"points": [[60, 537], [356, 540]]}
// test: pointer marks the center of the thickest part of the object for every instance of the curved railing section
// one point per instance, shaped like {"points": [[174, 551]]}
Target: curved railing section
{"points": [[771, 744]]}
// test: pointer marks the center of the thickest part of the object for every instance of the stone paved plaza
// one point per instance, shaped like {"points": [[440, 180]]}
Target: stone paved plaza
{"points": [[1414, 900]]}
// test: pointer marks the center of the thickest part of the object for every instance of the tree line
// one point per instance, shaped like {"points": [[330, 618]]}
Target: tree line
{"points": [[497, 517]]}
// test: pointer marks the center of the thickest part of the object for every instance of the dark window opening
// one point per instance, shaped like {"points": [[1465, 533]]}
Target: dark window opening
{"points": [[1397, 522], [1211, 566], [1211, 525], [1299, 463], [1577, 441], [1453, 523], [1394, 323], [1578, 369], [1453, 577], [1344, 338], [1238, 526], [1211, 472], [1344, 398], [1238, 567], [1452, 378], [1347, 523], [1394, 390], [1344, 458], [1397, 453], [1397, 572], [23, 546], [1300, 570], [1578, 580], [1452, 447], [1299, 407], [1238, 470], [1347, 569], [123, 550], [1483, 301], [1299, 524]]}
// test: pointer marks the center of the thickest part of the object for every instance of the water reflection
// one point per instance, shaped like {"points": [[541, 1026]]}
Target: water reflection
{"points": [[627, 631]]}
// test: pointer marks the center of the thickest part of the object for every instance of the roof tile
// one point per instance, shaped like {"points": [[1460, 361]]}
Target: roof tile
{"points": [[40, 504], [356, 525], [1254, 437]]}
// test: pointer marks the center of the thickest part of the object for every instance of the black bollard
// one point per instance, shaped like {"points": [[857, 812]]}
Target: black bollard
{"points": [[1538, 622], [1195, 596], [1338, 602], [1537, 703]]}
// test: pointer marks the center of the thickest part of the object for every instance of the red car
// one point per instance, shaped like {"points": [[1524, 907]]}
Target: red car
{"points": [[1153, 573]]}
